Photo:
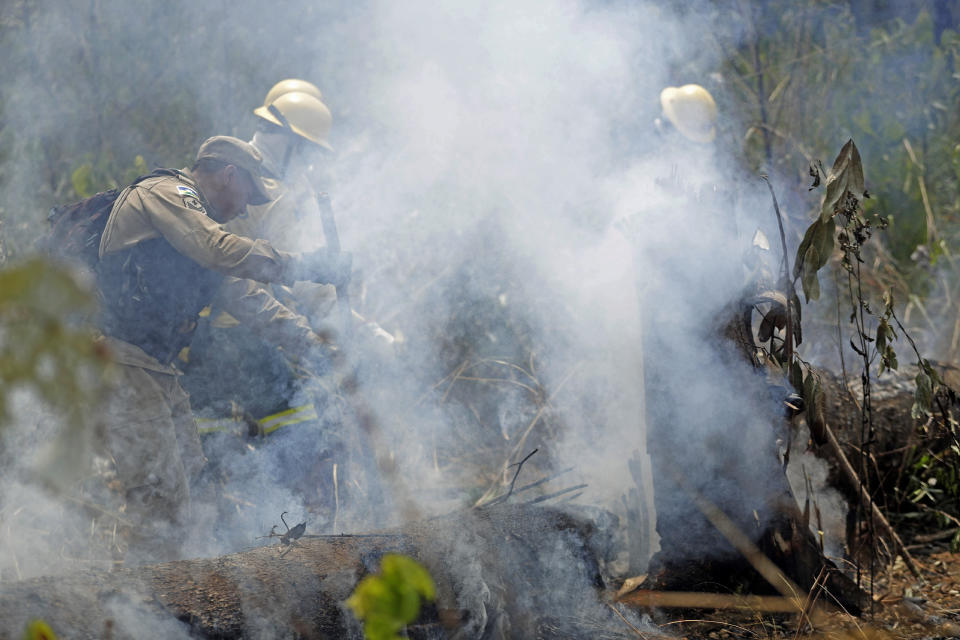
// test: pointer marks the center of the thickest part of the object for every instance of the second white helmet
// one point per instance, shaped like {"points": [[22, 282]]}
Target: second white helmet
{"points": [[303, 114]]}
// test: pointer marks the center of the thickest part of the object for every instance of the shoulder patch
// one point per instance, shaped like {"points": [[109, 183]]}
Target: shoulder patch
{"points": [[192, 203], [187, 192]]}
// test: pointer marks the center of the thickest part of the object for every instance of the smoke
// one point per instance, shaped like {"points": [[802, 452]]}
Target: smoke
{"points": [[511, 209]]}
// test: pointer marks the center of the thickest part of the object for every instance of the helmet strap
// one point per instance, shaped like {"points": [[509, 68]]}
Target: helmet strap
{"points": [[291, 137]]}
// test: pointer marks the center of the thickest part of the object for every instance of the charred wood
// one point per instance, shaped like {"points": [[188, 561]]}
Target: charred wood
{"points": [[493, 568]]}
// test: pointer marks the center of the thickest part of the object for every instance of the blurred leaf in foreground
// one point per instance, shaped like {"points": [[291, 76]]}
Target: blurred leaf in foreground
{"points": [[47, 348], [386, 603]]}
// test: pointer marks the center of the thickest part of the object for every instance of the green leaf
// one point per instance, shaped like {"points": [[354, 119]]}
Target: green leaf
{"points": [[49, 353], [797, 317], [809, 279], [39, 630], [881, 336], [82, 180], [923, 397], [401, 569], [814, 251], [386, 603]]}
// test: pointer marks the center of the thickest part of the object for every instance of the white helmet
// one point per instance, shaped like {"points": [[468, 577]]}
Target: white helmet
{"points": [[691, 110], [301, 113], [290, 85]]}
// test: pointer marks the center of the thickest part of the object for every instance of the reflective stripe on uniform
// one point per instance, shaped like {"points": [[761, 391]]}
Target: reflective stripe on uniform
{"points": [[269, 424], [219, 425], [288, 417]]}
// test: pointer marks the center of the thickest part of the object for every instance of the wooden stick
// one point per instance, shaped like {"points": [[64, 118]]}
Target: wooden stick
{"points": [[696, 600], [852, 476], [757, 559]]}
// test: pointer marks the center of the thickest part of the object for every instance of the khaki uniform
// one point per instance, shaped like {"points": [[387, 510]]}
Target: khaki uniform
{"points": [[281, 223], [151, 433]]}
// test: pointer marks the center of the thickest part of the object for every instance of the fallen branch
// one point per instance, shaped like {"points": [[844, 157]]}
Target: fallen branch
{"points": [[934, 537], [300, 593], [519, 466], [527, 487], [760, 562], [695, 600], [556, 494], [854, 479]]}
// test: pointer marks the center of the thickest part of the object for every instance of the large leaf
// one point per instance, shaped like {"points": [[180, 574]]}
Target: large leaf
{"points": [[814, 251], [45, 347], [846, 176], [809, 279], [82, 180], [923, 396]]}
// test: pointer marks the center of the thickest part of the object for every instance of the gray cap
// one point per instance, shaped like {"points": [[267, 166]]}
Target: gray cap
{"points": [[241, 154]]}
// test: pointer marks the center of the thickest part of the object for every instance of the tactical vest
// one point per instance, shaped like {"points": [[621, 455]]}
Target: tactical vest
{"points": [[151, 295]]}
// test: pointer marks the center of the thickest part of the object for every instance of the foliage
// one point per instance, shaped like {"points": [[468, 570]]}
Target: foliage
{"points": [[386, 603], [38, 630], [87, 181], [43, 350], [805, 74], [934, 480]]}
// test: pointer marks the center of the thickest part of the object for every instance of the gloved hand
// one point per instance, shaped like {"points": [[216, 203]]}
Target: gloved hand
{"points": [[374, 338], [324, 267]]}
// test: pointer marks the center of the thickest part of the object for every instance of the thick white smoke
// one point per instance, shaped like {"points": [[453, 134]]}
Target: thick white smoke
{"points": [[490, 153]]}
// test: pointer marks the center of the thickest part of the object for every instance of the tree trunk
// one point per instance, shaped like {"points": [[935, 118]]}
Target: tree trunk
{"points": [[895, 431], [504, 571], [723, 453]]}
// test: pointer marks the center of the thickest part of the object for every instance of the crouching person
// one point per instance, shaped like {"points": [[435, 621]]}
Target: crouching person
{"points": [[163, 257]]}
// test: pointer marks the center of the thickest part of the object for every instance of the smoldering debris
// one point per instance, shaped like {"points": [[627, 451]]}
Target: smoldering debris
{"points": [[504, 569]]}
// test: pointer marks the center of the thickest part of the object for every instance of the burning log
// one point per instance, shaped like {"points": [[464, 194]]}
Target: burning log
{"points": [[490, 565], [892, 397]]}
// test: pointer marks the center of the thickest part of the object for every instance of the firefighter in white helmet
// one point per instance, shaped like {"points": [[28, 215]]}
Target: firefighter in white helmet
{"points": [[691, 111], [289, 86]]}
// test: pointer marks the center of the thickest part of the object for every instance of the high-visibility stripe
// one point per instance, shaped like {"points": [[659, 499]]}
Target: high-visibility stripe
{"points": [[271, 423], [306, 408], [218, 425], [286, 412], [298, 414]]}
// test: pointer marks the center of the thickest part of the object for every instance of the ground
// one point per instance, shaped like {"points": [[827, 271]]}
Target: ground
{"points": [[906, 609]]}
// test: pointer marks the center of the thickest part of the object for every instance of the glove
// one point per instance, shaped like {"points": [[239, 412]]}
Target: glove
{"points": [[323, 267], [376, 339]]}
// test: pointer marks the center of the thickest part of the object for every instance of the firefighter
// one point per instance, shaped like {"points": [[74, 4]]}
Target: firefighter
{"points": [[163, 257], [266, 395], [691, 111], [712, 196]]}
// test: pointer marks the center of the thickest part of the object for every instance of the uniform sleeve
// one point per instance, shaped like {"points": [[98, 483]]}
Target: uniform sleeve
{"points": [[183, 222], [254, 306]]}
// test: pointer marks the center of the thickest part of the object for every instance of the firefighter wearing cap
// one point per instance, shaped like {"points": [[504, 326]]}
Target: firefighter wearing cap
{"points": [[292, 131], [163, 255], [293, 137]]}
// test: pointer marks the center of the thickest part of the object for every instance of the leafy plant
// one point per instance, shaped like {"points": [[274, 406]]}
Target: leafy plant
{"points": [[39, 630], [45, 348], [386, 603], [933, 481]]}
